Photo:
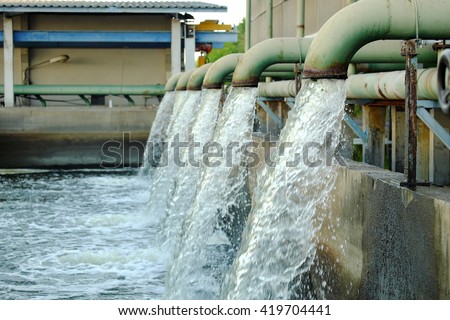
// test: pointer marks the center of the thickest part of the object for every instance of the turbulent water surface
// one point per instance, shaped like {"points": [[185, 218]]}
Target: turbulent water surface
{"points": [[90, 234], [78, 235]]}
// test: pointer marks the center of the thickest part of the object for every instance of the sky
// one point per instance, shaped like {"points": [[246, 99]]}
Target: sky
{"points": [[235, 14]]}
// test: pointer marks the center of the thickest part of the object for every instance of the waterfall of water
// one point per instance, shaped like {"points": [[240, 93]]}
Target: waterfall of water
{"points": [[211, 227], [185, 185], [278, 241], [158, 134], [184, 110]]}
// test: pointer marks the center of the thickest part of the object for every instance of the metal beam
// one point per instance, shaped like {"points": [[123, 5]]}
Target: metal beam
{"points": [[208, 36], [434, 126], [270, 113], [355, 127], [290, 102], [144, 90], [111, 39]]}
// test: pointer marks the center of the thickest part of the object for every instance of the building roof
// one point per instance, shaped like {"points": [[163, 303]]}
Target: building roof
{"points": [[88, 6]]}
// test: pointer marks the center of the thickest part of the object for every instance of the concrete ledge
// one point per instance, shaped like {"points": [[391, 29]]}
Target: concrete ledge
{"points": [[73, 137], [381, 241]]}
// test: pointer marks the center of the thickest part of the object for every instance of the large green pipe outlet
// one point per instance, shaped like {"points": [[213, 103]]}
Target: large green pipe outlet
{"points": [[183, 81], [267, 53], [196, 79], [171, 84], [369, 20], [391, 85], [220, 69]]}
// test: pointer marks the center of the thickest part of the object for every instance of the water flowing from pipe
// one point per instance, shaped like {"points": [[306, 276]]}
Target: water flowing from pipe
{"points": [[211, 229], [184, 110], [185, 185], [158, 134], [278, 243]]}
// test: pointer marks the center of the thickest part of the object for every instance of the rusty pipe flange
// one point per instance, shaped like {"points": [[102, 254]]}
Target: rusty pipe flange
{"points": [[443, 78]]}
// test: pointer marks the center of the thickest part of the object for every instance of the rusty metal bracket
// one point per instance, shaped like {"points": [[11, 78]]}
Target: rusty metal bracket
{"points": [[298, 78], [410, 53]]}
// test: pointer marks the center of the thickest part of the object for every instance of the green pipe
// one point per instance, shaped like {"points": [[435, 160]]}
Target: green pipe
{"points": [[389, 51], [183, 81], [369, 20], [278, 75], [378, 67], [385, 67], [172, 82], [300, 18], [36, 89], [269, 19], [277, 89], [196, 79], [281, 53], [248, 26], [281, 67], [391, 85], [267, 53], [220, 69]]}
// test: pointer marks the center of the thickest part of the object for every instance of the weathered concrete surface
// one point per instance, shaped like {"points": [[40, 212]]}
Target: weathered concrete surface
{"points": [[73, 136], [381, 241], [376, 240]]}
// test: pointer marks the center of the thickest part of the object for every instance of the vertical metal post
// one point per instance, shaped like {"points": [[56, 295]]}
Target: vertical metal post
{"points": [[8, 56], [298, 77], [431, 152], [409, 51]]}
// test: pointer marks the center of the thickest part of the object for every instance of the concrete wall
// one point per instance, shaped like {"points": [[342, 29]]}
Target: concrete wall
{"points": [[71, 137], [317, 12], [93, 66], [381, 241], [375, 239]]}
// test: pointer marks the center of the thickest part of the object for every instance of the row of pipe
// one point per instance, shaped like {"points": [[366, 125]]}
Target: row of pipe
{"points": [[361, 28]]}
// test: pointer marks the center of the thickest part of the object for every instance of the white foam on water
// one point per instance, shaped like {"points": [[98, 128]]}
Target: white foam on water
{"points": [[78, 235]]}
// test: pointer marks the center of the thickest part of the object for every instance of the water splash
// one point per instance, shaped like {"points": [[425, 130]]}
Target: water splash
{"points": [[158, 134], [211, 229], [184, 111], [185, 186], [278, 243]]}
